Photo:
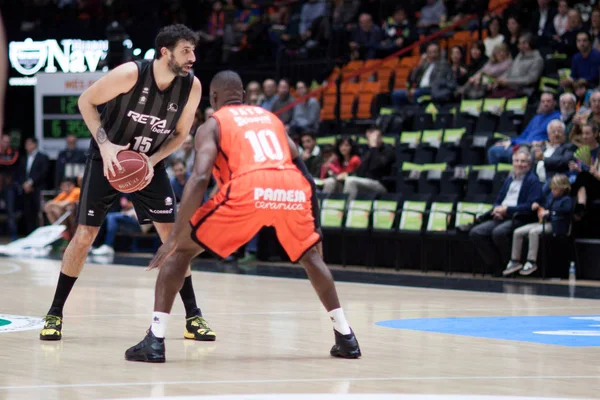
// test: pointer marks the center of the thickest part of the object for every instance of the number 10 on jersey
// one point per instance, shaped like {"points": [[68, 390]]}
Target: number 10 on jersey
{"points": [[265, 145]]}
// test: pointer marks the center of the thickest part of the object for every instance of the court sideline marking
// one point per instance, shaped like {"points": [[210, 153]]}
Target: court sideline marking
{"points": [[250, 381], [12, 267]]}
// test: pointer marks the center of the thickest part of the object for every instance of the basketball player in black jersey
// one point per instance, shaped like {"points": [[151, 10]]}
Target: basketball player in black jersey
{"points": [[150, 107]]}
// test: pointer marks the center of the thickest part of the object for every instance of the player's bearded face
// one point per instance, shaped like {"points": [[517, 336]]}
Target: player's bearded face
{"points": [[181, 69]]}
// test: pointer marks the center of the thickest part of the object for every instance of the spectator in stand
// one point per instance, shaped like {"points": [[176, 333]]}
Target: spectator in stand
{"points": [[478, 58], [457, 65], [595, 28], [243, 31], [542, 22], [514, 35], [366, 39], [494, 36], [524, 72], [70, 155], [8, 164], [313, 17], [554, 214], [567, 103], [212, 37], [518, 193], [305, 116], [65, 201], [340, 165], [535, 131], [585, 116], [587, 183], [398, 31], [432, 15], [311, 154], [586, 63], [567, 43], [432, 76], [553, 156], [478, 85], [180, 178], [124, 220], [254, 93], [561, 19], [270, 94], [375, 165], [582, 90], [33, 175], [284, 99], [185, 153]]}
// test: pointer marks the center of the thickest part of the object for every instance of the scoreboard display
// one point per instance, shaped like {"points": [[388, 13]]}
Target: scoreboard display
{"points": [[56, 111]]}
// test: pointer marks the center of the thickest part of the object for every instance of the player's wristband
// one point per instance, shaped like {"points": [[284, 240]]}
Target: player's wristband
{"points": [[313, 198]]}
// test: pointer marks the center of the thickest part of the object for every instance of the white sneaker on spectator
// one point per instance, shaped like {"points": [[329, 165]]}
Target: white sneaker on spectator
{"points": [[529, 268], [511, 267], [103, 250]]}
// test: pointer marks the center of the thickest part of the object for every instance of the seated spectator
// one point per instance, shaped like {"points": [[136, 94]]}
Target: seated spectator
{"points": [[582, 90], [432, 14], [524, 72], [567, 103], [535, 131], [514, 35], [542, 22], [311, 154], [340, 165], [283, 100], [586, 63], [375, 165], [478, 57], [65, 201], [561, 18], [185, 153], [554, 215], [587, 182], [8, 190], [567, 43], [398, 31], [254, 93], [478, 85], [494, 38], [312, 22], [244, 29], [595, 28], [180, 178], [457, 65], [553, 156], [211, 38], [365, 39], [270, 94], [431, 77], [518, 193], [584, 116], [70, 155], [305, 115], [124, 220]]}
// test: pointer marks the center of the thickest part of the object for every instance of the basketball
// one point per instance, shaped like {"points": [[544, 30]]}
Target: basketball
{"points": [[135, 169]]}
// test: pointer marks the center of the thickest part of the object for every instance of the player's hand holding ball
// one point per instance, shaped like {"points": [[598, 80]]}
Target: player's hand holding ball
{"points": [[149, 174], [135, 173]]}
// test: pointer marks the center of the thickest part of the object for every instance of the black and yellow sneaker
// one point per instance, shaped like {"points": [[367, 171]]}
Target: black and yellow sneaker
{"points": [[151, 349], [346, 346], [196, 328], [52, 328]]}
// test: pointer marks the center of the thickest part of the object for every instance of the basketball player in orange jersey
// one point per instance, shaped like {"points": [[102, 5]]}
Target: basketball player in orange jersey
{"points": [[149, 108], [263, 182]]}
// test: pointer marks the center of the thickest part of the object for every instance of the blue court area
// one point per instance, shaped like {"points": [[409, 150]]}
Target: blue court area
{"points": [[574, 331]]}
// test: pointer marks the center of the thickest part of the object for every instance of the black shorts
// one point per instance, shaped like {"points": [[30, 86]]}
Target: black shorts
{"points": [[154, 203]]}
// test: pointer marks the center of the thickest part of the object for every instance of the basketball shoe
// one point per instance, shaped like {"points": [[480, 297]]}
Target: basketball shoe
{"points": [[52, 329], [346, 346], [151, 349], [196, 328]]}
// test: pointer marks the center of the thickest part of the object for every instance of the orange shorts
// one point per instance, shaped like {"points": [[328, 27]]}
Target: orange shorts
{"points": [[278, 198]]}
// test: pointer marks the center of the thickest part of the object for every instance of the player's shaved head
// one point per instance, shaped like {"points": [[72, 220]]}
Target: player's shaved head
{"points": [[226, 88]]}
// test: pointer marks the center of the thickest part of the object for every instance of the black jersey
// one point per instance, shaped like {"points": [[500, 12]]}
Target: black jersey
{"points": [[145, 116]]}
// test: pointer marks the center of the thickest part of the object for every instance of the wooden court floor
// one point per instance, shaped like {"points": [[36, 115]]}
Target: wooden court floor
{"points": [[273, 338]]}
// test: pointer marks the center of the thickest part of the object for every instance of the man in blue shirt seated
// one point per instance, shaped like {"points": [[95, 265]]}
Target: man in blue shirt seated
{"points": [[180, 178], [492, 238], [535, 131], [586, 63]]}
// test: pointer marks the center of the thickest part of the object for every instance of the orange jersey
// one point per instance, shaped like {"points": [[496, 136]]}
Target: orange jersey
{"points": [[251, 138]]}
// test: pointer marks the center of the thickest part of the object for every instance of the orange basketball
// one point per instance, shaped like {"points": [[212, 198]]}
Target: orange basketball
{"points": [[135, 169]]}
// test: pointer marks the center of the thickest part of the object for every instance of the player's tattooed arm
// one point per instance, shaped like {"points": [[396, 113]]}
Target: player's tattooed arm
{"points": [[101, 136]]}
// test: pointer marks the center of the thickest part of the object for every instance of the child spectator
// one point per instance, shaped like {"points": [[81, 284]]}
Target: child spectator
{"points": [[554, 216], [65, 201], [342, 163]]}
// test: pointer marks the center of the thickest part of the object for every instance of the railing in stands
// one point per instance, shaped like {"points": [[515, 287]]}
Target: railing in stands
{"points": [[497, 6]]}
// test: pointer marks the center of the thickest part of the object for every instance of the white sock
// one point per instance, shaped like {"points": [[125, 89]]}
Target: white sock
{"points": [[339, 321], [159, 324]]}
